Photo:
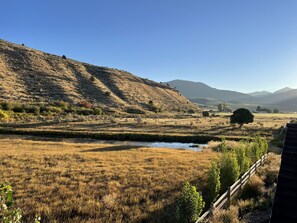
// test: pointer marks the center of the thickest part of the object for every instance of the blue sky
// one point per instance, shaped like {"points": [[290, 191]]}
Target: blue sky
{"points": [[243, 45]]}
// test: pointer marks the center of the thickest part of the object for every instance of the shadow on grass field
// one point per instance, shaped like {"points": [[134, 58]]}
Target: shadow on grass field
{"points": [[113, 148]]}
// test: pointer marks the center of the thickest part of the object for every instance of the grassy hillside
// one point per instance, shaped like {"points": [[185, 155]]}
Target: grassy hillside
{"points": [[28, 75]]}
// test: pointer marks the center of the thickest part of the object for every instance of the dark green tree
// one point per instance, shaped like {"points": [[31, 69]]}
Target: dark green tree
{"points": [[242, 159], [241, 116], [205, 113], [229, 170], [214, 184], [190, 204]]}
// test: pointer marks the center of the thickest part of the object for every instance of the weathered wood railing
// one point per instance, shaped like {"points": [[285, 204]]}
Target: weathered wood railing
{"points": [[233, 189]]}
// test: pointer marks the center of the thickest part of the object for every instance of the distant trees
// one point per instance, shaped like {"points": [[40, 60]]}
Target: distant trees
{"points": [[205, 113], [223, 107], [268, 110], [241, 116], [190, 204], [64, 57]]}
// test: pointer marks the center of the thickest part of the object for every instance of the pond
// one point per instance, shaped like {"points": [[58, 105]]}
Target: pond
{"points": [[171, 145]]}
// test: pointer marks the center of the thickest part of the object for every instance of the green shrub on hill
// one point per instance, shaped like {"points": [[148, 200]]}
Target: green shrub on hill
{"points": [[97, 111], [135, 111], [6, 106], [3, 115]]}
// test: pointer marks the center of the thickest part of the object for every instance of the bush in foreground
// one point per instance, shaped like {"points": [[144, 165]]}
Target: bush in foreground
{"points": [[254, 188], [214, 184], [8, 214], [226, 216], [190, 204], [229, 169]]}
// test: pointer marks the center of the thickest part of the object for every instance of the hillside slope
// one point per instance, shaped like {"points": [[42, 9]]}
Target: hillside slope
{"points": [[31, 75]]}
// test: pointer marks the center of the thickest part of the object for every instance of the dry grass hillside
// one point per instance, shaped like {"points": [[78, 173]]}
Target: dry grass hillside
{"points": [[30, 75]]}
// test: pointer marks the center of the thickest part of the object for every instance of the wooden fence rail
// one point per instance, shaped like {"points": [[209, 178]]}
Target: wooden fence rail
{"points": [[233, 189]]}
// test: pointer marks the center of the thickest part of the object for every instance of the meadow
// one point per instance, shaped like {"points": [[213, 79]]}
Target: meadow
{"points": [[146, 128], [87, 182], [72, 181]]}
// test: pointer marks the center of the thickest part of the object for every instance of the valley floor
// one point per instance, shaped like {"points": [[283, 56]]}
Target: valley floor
{"points": [[158, 128]]}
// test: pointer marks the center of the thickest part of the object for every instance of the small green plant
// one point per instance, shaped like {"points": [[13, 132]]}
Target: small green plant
{"points": [[32, 109], [6, 106], [8, 214], [190, 204], [3, 115], [214, 184], [97, 111], [61, 104], [223, 147], [132, 110]]}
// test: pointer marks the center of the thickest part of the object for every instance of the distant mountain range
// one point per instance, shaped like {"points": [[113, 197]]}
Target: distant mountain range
{"points": [[284, 99]]}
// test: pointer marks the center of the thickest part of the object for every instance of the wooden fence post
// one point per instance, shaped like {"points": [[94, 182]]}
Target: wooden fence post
{"points": [[240, 181], [229, 196], [212, 209]]}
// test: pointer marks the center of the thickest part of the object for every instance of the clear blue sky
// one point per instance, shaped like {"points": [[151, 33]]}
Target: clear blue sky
{"points": [[243, 45]]}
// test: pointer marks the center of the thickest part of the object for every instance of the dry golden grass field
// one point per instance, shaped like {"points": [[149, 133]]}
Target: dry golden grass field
{"points": [[218, 126], [87, 182]]}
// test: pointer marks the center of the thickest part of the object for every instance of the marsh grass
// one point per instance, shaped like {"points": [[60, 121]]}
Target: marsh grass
{"points": [[76, 182]]}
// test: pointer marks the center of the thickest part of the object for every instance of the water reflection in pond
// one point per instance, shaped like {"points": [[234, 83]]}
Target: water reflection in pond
{"points": [[171, 145]]}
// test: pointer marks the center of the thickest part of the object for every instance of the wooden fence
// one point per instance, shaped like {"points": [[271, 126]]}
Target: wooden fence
{"points": [[233, 189]]}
